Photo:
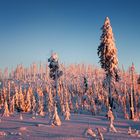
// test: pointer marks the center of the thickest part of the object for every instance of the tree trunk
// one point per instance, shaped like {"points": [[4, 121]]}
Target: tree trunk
{"points": [[125, 102], [56, 85], [109, 92], [57, 97], [134, 95], [131, 105]]}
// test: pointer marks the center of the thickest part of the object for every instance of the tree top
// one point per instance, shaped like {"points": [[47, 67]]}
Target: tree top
{"points": [[107, 20]]}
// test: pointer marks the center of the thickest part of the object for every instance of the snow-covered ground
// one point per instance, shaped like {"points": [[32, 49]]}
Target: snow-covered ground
{"points": [[39, 128]]}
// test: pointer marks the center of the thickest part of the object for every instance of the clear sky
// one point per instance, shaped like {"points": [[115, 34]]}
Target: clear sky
{"points": [[31, 29]]}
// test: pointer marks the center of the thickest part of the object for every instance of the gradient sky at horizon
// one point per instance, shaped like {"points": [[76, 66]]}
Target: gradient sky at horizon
{"points": [[31, 29]]}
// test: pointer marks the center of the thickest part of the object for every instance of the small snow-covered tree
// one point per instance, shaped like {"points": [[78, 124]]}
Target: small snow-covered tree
{"points": [[67, 111], [12, 105], [101, 137], [66, 102], [34, 67], [111, 121], [27, 102], [45, 99], [93, 108], [41, 108], [16, 98], [55, 118], [21, 100], [33, 105], [5, 110], [50, 103], [129, 131], [132, 94], [107, 53]]}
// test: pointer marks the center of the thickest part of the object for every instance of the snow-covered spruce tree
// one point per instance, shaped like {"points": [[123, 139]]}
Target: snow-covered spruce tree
{"points": [[5, 110], [111, 121], [40, 102], [93, 108], [61, 91], [27, 102], [33, 105], [16, 98], [41, 108], [21, 102], [50, 103], [55, 118], [45, 99], [67, 109], [55, 74], [1, 99], [21, 106], [34, 67], [132, 93], [12, 105], [107, 53]]}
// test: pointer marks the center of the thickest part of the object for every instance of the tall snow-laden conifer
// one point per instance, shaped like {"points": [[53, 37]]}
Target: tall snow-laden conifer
{"points": [[107, 53]]}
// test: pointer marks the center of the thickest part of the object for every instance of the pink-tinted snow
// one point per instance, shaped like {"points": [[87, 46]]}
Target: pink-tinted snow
{"points": [[38, 129]]}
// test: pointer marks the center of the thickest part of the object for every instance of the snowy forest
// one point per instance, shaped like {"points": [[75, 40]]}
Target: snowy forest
{"points": [[52, 97]]}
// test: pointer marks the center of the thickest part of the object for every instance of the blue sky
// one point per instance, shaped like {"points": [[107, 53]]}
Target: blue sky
{"points": [[31, 29]]}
